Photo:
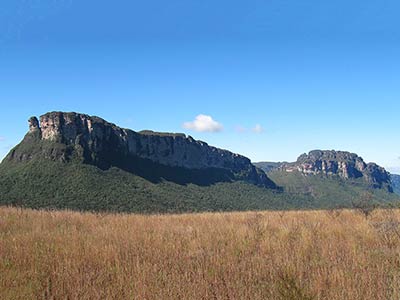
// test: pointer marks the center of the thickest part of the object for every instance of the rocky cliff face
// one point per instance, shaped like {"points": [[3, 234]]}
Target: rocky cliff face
{"points": [[344, 164], [73, 136]]}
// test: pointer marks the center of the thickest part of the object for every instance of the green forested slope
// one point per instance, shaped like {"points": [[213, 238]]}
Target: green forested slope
{"points": [[49, 184]]}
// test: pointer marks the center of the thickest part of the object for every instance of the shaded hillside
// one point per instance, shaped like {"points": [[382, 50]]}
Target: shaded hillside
{"points": [[54, 184]]}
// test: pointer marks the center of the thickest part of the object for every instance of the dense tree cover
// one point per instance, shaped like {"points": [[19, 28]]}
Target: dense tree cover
{"points": [[53, 184]]}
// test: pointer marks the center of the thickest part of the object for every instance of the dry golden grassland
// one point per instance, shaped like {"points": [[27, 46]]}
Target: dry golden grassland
{"points": [[263, 255]]}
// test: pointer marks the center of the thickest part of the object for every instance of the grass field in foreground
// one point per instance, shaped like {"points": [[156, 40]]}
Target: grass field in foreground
{"points": [[263, 255]]}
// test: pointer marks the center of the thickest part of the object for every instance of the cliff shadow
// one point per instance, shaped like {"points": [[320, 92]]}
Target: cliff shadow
{"points": [[156, 173]]}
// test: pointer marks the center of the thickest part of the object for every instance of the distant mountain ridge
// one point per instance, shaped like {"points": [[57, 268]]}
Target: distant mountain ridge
{"points": [[268, 166], [344, 164]]}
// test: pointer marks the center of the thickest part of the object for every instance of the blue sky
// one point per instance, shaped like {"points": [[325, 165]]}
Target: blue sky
{"points": [[309, 74]]}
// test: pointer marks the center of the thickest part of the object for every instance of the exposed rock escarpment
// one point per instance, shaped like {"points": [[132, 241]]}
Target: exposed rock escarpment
{"points": [[343, 164], [92, 140], [33, 124]]}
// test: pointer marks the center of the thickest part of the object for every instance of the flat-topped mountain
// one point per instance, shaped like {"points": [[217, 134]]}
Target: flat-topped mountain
{"points": [[343, 164], [72, 136], [77, 161]]}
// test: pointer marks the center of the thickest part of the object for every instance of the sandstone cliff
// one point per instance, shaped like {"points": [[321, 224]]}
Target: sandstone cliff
{"points": [[92, 140], [343, 164]]}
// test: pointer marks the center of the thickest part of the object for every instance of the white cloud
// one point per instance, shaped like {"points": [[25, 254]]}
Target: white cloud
{"points": [[258, 129], [2, 138], [203, 123]]}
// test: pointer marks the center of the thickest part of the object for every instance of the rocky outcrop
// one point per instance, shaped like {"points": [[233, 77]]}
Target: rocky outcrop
{"points": [[74, 136], [33, 124], [343, 164]]}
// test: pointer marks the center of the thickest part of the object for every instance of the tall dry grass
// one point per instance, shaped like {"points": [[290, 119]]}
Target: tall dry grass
{"points": [[268, 255]]}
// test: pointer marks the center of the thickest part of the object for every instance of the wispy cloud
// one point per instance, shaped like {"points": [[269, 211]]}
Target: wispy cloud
{"points": [[203, 123], [2, 138], [258, 129]]}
